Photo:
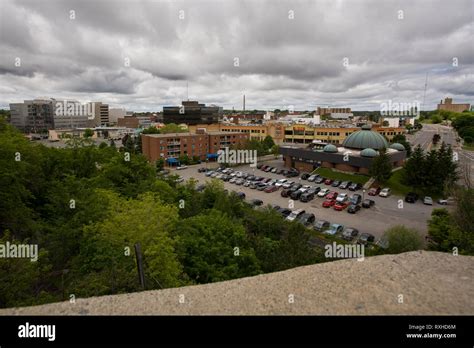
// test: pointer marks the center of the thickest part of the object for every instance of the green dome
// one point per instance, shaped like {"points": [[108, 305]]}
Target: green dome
{"points": [[368, 152], [397, 146], [365, 138], [330, 148]]}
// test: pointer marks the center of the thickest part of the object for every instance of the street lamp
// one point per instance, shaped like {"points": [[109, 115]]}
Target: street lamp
{"points": [[363, 194]]}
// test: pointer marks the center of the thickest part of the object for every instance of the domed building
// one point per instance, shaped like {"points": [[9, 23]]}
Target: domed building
{"points": [[354, 155], [365, 138]]}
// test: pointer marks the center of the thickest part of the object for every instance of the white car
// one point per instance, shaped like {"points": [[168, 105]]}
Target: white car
{"points": [[385, 192], [280, 182], [342, 197], [295, 214], [428, 200], [288, 184], [181, 167], [323, 192]]}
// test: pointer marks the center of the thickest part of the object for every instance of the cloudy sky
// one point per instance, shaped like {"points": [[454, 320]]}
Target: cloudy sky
{"points": [[141, 54]]}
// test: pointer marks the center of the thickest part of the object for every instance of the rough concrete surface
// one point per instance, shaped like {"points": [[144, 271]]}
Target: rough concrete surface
{"points": [[430, 283]]}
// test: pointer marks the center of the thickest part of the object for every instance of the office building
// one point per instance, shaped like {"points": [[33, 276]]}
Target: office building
{"points": [[191, 113], [449, 106]]}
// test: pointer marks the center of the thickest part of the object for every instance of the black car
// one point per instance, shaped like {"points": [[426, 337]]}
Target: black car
{"points": [[226, 177], [336, 183], [307, 219], [202, 170], [279, 171], [319, 180], [353, 208], [296, 187], [305, 176], [306, 197], [356, 198], [285, 192], [411, 197], [367, 203], [355, 186], [275, 207], [345, 184], [350, 233], [256, 202], [241, 195], [284, 211], [296, 194], [366, 238]]}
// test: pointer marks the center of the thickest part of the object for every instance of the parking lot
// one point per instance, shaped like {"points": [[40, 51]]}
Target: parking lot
{"points": [[385, 213]]}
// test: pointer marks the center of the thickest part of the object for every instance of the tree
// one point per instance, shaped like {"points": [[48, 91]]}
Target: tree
{"points": [[207, 245], [159, 164], [381, 168], [385, 123], [414, 174], [268, 142], [172, 128], [400, 138], [88, 133], [401, 239]]}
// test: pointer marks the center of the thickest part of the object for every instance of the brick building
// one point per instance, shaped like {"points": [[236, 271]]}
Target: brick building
{"points": [[200, 144], [449, 106]]}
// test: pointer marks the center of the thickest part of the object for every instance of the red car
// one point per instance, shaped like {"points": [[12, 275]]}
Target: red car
{"points": [[328, 181], [272, 188], [341, 206], [329, 203], [374, 191], [332, 195]]}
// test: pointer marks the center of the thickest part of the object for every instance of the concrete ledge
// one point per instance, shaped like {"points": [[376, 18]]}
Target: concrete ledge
{"points": [[430, 282]]}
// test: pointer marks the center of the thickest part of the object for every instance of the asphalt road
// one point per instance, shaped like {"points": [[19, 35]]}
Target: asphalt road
{"points": [[375, 220]]}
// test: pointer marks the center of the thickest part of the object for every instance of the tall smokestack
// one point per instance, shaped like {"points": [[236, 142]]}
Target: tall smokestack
{"points": [[244, 102]]}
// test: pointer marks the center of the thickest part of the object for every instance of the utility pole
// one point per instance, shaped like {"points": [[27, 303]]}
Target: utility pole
{"points": [[141, 274], [424, 94]]}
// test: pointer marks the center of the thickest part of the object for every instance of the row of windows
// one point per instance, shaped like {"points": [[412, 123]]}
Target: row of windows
{"points": [[245, 130]]}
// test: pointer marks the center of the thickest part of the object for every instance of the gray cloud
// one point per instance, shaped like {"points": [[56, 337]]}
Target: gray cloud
{"points": [[282, 61]]}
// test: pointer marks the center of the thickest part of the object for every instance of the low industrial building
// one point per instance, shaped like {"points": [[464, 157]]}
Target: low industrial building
{"points": [[355, 155]]}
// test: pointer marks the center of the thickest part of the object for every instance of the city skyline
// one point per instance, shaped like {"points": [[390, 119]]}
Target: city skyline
{"points": [[142, 56]]}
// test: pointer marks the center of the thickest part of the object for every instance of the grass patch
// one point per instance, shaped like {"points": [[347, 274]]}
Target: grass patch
{"points": [[469, 147], [395, 183], [331, 174]]}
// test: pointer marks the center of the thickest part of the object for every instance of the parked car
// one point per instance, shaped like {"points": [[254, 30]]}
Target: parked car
{"points": [[355, 186], [296, 186], [334, 229], [202, 170], [312, 177], [445, 201], [366, 238], [367, 203], [342, 197], [307, 219], [274, 170], [305, 176], [296, 194], [271, 188], [284, 211], [267, 169], [307, 196], [374, 191], [339, 206], [353, 208], [328, 181], [247, 183], [239, 181], [319, 180], [279, 171], [336, 183], [280, 182], [385, 192], [295, 214], [287, 184], [329, 203], [179, 179], [428, 200], [332, 195], [253, 185], [323, 192], [350, 233], [259, 166], [181, 167], [355, 198], [226, 177], [275, 207], [241, 195], [285, 192], [321, 225], [209, 173], [344, 185], [411, 197], [256, 202], [261, 187]]}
